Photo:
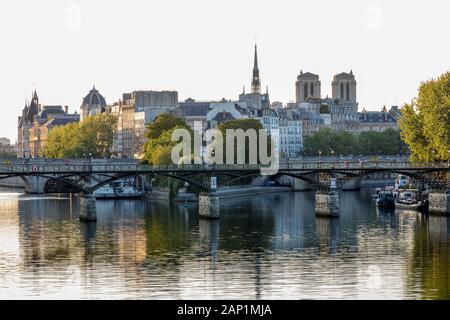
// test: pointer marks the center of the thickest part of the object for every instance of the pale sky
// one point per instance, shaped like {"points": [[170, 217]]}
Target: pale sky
{"points": [[204, 48]]}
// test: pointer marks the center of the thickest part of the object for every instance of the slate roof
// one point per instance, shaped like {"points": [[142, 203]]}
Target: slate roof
{"points": [[194, 109], [375, 117]]}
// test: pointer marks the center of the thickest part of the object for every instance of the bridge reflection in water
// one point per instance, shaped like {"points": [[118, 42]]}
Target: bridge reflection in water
{"points": [[270, 246]]}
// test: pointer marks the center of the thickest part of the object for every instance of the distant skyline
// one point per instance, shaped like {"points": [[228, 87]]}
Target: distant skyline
{"points": [[204, 48]]}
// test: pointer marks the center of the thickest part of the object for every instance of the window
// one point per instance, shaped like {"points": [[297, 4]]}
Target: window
{"points": [[312, 90], [305, 91], [342, 91]]}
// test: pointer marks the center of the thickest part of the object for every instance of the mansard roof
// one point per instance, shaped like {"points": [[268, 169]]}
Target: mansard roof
{"points": [[376, 117], [194, 109]]}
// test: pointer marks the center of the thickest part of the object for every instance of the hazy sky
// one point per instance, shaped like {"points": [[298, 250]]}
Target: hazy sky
{"points": [[204, 48]]}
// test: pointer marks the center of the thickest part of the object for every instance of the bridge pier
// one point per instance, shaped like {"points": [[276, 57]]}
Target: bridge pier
{"points": [[35, 184], [354, 184], [88, 211], [296, 184], [327, 203], [439, 203], [208, 205]]}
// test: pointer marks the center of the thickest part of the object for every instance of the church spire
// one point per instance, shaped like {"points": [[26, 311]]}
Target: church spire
{"points": [[256, 82], [255, 63]]}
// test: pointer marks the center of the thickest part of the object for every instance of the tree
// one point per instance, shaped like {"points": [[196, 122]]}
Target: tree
{"points": [[93, 136], [425, 123], [158, 148], [158, 151], [387, 142], [244, 124], [163, 122], [327, 141]]}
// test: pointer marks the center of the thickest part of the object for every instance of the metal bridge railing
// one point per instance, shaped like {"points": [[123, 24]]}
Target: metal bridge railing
{"points": [[11, 169]]}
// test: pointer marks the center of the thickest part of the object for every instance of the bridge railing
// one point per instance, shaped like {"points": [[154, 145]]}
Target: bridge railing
{"points": [[116, 167]]}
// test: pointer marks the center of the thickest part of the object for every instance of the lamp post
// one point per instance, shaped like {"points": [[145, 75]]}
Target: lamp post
{"points": [[84, 161], [332, 157], [320, 153]]}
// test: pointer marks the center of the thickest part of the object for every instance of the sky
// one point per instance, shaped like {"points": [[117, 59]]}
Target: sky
{"points": [[204, 48]]}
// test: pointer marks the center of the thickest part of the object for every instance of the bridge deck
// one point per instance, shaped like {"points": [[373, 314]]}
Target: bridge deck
{"points": [[98, 168]]}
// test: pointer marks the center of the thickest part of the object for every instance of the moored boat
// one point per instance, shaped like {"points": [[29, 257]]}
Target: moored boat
{"points": [[411, 199], [385, 199], [123, 189]]}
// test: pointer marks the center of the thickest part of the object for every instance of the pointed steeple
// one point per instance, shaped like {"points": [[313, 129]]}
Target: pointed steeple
{"points": [[256, 82], [33, 107], [255, 63]]}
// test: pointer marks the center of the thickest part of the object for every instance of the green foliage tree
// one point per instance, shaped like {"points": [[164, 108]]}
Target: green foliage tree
{"points": [[75, 140], [387, 142], [425, 123], [163, 122], [158, 148], [244, 124]]}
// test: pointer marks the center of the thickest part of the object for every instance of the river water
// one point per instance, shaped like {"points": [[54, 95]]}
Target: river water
{"points": [[264, 247]]}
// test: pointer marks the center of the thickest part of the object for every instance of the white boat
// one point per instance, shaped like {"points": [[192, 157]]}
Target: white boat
{"points": [[122, 189], [411, 199]]}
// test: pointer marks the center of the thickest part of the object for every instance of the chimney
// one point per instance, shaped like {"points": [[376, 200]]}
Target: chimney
{"points": [[66, 109]]}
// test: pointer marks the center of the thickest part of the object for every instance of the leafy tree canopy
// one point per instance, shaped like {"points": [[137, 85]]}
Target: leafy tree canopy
{"points": [[75, 140], [326, 141], [425, 123], [158, 148]]}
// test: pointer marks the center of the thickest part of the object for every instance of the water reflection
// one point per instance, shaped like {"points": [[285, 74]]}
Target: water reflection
{"points": [[267, 247]]}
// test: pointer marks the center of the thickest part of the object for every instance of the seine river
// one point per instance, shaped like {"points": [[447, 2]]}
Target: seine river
{"points": [[264, 247]]}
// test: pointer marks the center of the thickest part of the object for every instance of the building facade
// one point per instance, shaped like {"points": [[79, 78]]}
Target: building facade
{"points": [[153, 103], [134, 112], [35, 124], [6, 148]]}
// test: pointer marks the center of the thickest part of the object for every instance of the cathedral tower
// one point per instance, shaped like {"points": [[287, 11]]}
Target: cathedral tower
{"points": [[344, 86], [256, 81], [307, 86]]}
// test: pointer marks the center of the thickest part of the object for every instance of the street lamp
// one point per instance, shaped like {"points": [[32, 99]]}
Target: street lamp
{"points": [[332, 157], [320, 152]]}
